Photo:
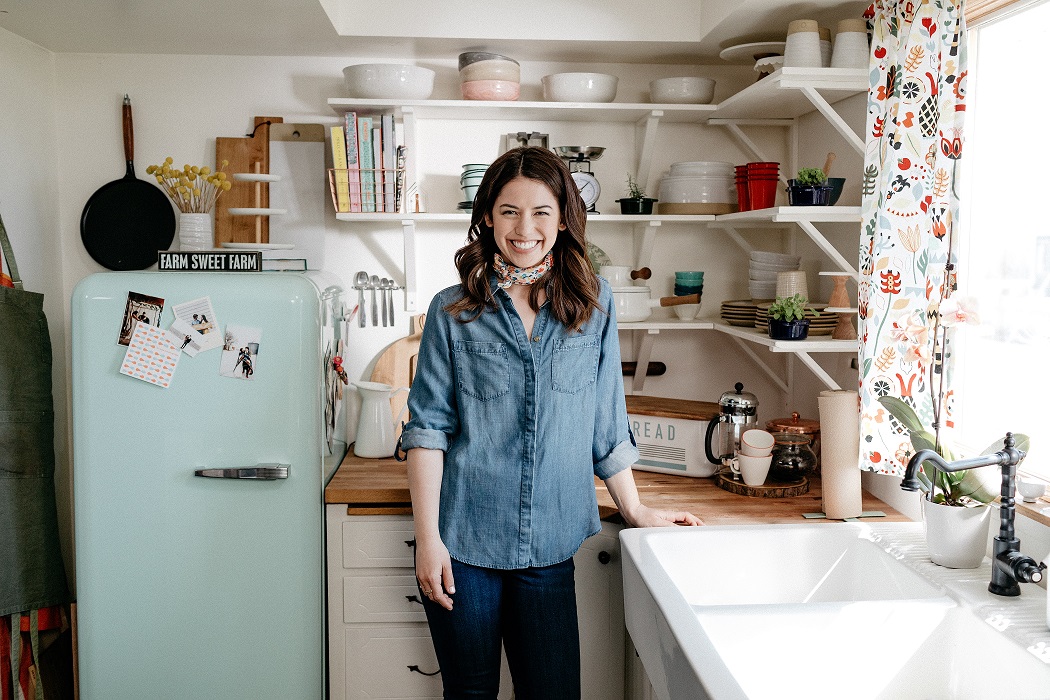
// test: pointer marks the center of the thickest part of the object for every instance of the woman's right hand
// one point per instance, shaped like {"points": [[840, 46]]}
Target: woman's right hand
{"points": [[434, 571]]}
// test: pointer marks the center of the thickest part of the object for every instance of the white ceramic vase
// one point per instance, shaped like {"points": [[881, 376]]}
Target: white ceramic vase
{"points": [[196, 232], [956, 537]]}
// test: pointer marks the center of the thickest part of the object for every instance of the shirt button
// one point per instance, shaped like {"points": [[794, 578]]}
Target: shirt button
{"points": [[535, 339]]}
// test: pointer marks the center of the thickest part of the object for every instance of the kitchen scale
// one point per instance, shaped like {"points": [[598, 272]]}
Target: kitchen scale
{"points": [[579, 158]]}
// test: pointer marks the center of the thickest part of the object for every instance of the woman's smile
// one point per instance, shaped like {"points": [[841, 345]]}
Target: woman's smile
{"points": [[525, 221]]}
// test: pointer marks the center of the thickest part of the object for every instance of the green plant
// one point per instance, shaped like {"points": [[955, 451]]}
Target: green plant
{"points": [[792, 308], [967, 488], [634, 191], [810, 177]]}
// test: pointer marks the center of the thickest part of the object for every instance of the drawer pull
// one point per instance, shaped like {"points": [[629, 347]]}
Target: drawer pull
{"points": [[411, 542], [415, 669], [604, 557], [413, 599]]}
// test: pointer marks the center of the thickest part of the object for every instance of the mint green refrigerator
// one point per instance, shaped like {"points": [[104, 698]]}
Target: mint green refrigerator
{"points": [[198, 497]]}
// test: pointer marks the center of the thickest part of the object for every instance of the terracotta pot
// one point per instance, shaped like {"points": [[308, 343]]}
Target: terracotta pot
{"points": [[956, 537]]}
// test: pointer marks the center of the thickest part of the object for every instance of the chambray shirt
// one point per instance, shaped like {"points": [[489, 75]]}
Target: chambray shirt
{"points": [[525, 424]]}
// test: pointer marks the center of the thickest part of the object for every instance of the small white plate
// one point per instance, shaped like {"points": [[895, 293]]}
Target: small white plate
{"points": [[745, 53], [257, 246]]}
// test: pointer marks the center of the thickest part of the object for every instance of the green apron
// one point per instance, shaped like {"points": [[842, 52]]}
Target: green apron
{"points": [[32, 575]]}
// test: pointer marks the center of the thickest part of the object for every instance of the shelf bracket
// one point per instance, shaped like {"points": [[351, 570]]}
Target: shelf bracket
{"points": [[832, 116], [776, 378], [408, 232], [642, 356], [818, 370], [825, 245], [648, 242], [737, 238], [648, 126], [733, 126]]}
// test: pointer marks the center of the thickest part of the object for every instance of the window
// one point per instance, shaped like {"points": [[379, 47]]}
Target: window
{"points": [[1002, 376]]}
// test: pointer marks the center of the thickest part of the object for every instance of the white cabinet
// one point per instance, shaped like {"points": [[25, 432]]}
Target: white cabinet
{"points": [[378, 641]]}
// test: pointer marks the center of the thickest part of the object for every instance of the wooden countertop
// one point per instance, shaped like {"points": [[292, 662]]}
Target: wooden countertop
{"points": [[380, 487]]}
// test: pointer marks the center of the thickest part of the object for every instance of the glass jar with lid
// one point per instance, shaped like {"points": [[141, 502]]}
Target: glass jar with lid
{"points": [[793, 457], [801, 426]]}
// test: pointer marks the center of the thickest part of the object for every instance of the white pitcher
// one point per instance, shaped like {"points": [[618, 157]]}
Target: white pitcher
{"points": [[375, 424]]}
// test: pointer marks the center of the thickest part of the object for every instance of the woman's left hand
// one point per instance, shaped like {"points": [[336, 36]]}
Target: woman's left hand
{"points": [[644, 516]]}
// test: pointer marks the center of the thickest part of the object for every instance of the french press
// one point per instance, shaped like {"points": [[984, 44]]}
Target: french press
{"points": [[738, 412]]}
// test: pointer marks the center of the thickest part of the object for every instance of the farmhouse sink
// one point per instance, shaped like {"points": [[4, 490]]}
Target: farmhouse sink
{"points": [[813, 611]]}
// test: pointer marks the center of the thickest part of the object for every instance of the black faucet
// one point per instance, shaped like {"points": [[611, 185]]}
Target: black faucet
{"points": [[1009, 566]]}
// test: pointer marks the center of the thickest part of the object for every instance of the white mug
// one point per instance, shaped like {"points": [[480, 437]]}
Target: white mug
{"points": [[753, 470], [756, 443]]}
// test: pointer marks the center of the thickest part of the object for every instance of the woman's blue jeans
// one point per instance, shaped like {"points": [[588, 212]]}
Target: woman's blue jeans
{"points": [[531, 611]]}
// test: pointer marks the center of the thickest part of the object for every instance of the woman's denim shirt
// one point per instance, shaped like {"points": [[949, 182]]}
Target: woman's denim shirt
{"points": [[525, 424]]}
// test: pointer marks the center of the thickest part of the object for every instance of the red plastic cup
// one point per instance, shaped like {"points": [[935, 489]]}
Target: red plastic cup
{"points": [[743, 197], [762, 193]]}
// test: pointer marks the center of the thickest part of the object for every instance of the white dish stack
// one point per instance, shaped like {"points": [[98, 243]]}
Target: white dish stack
{"points": [[698, 187], [763, 270]]}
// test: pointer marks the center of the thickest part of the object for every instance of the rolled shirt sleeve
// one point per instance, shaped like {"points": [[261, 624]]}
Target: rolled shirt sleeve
{"points": [[432, 399], [614, 446]]}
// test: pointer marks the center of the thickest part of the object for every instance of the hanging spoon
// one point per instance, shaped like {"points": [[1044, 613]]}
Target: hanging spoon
{"points": [[375, 309], [360, 284]]}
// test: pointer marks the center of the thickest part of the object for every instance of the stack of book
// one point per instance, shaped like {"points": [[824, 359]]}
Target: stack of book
{"points": [[368, 165]]}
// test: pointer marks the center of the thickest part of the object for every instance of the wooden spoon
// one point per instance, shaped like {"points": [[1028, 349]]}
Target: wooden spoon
{"points": [[827, 164]]}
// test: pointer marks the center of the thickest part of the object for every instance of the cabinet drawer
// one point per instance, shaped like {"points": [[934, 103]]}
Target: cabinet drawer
{"points": [[378, 543], [378, 661], [382, 599]]}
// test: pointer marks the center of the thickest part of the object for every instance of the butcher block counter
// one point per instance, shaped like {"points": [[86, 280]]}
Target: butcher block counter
{"points": [[380, 487]]}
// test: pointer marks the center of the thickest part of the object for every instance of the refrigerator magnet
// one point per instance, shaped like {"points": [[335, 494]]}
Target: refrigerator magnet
{"points": [[240, 351]]}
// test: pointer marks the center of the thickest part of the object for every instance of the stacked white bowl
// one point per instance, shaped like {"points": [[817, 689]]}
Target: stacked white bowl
{"points": [[388, 81], [488, 76], [763, 269], [698, 182]]}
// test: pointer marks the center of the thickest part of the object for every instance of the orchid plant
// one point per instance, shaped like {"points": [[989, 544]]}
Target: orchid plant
{"points": [[968, 488]]}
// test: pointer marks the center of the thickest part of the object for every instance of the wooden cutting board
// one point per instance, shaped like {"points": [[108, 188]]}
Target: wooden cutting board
{"points": [[396, 366]]}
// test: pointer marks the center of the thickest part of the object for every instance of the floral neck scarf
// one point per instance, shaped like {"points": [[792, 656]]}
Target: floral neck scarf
{"points": [[508, 274]]}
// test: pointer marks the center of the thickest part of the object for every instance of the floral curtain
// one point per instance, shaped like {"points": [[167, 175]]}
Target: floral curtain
{"points": [[916, 104]]}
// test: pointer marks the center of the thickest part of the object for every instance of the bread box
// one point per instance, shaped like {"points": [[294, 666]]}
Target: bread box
{"points": [[670, 434]]}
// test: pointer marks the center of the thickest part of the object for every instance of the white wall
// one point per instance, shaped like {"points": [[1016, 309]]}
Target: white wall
{"points": [[29, 204]]}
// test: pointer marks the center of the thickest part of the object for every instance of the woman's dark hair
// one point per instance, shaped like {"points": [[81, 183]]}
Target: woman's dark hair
{"points": [[570, 284]]}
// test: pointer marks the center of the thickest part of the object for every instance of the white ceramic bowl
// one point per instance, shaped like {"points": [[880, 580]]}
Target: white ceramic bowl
{"points": [[468, 57], [632, 304], [697, 189], [763, 275], [388, 81], [697, 91], [579, 87], [1030, 490], [686, 312], [772, 267], [764, 256], [702, 167], [616, 275]]}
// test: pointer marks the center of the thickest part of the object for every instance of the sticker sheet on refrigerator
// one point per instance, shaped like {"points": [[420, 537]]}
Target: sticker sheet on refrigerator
{"points": [[240, 352], [152, 356], [200, 315]]}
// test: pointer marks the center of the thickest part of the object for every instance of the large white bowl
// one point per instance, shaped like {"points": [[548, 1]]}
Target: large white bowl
{"points": [[579, 87], [702, 167], [697, 189], [697, 91], [388, 81]]}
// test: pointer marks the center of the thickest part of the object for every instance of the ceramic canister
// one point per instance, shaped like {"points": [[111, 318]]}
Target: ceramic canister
{"points": [[825, 46], [851, 44], [802, 49]]}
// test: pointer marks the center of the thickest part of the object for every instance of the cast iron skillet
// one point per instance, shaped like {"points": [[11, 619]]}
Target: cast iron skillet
{"points": [[128, 220]]}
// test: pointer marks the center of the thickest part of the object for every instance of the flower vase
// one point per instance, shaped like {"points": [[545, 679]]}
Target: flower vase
{"points": [[956, 537], [196, 231]]}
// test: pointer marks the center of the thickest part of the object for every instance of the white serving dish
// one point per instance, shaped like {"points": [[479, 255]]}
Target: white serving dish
{"points": [[633, 304], [579, 87], [700, 189], [388, 81], [684, 90], [764, 256]]}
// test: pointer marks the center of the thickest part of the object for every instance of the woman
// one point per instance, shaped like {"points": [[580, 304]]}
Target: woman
{"points": [[516, 404]]}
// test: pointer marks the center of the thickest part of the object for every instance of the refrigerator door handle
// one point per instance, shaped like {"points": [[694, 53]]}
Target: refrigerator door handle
{"points": [[264, 472]]}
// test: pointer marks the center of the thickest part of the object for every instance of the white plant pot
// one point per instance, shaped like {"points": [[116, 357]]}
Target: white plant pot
{"points": [[956, 537]]}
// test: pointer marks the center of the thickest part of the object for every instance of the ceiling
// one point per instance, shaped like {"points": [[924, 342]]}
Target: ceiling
{"points": [[303, 28]]}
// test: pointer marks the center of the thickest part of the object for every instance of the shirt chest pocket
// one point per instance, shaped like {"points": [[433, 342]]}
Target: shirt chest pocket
{"points": [[575, 363], [482, 369]]}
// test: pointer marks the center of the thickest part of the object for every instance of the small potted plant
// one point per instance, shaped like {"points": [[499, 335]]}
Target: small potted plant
{"points": [[636, 202], [810, 188], [787, 318]]}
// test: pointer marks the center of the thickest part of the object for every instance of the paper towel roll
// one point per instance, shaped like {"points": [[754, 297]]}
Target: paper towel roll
{"points": [[839, 450]]}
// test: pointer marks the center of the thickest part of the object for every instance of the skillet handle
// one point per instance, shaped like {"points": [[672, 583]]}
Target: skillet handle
{"points": [[129, 137]]}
